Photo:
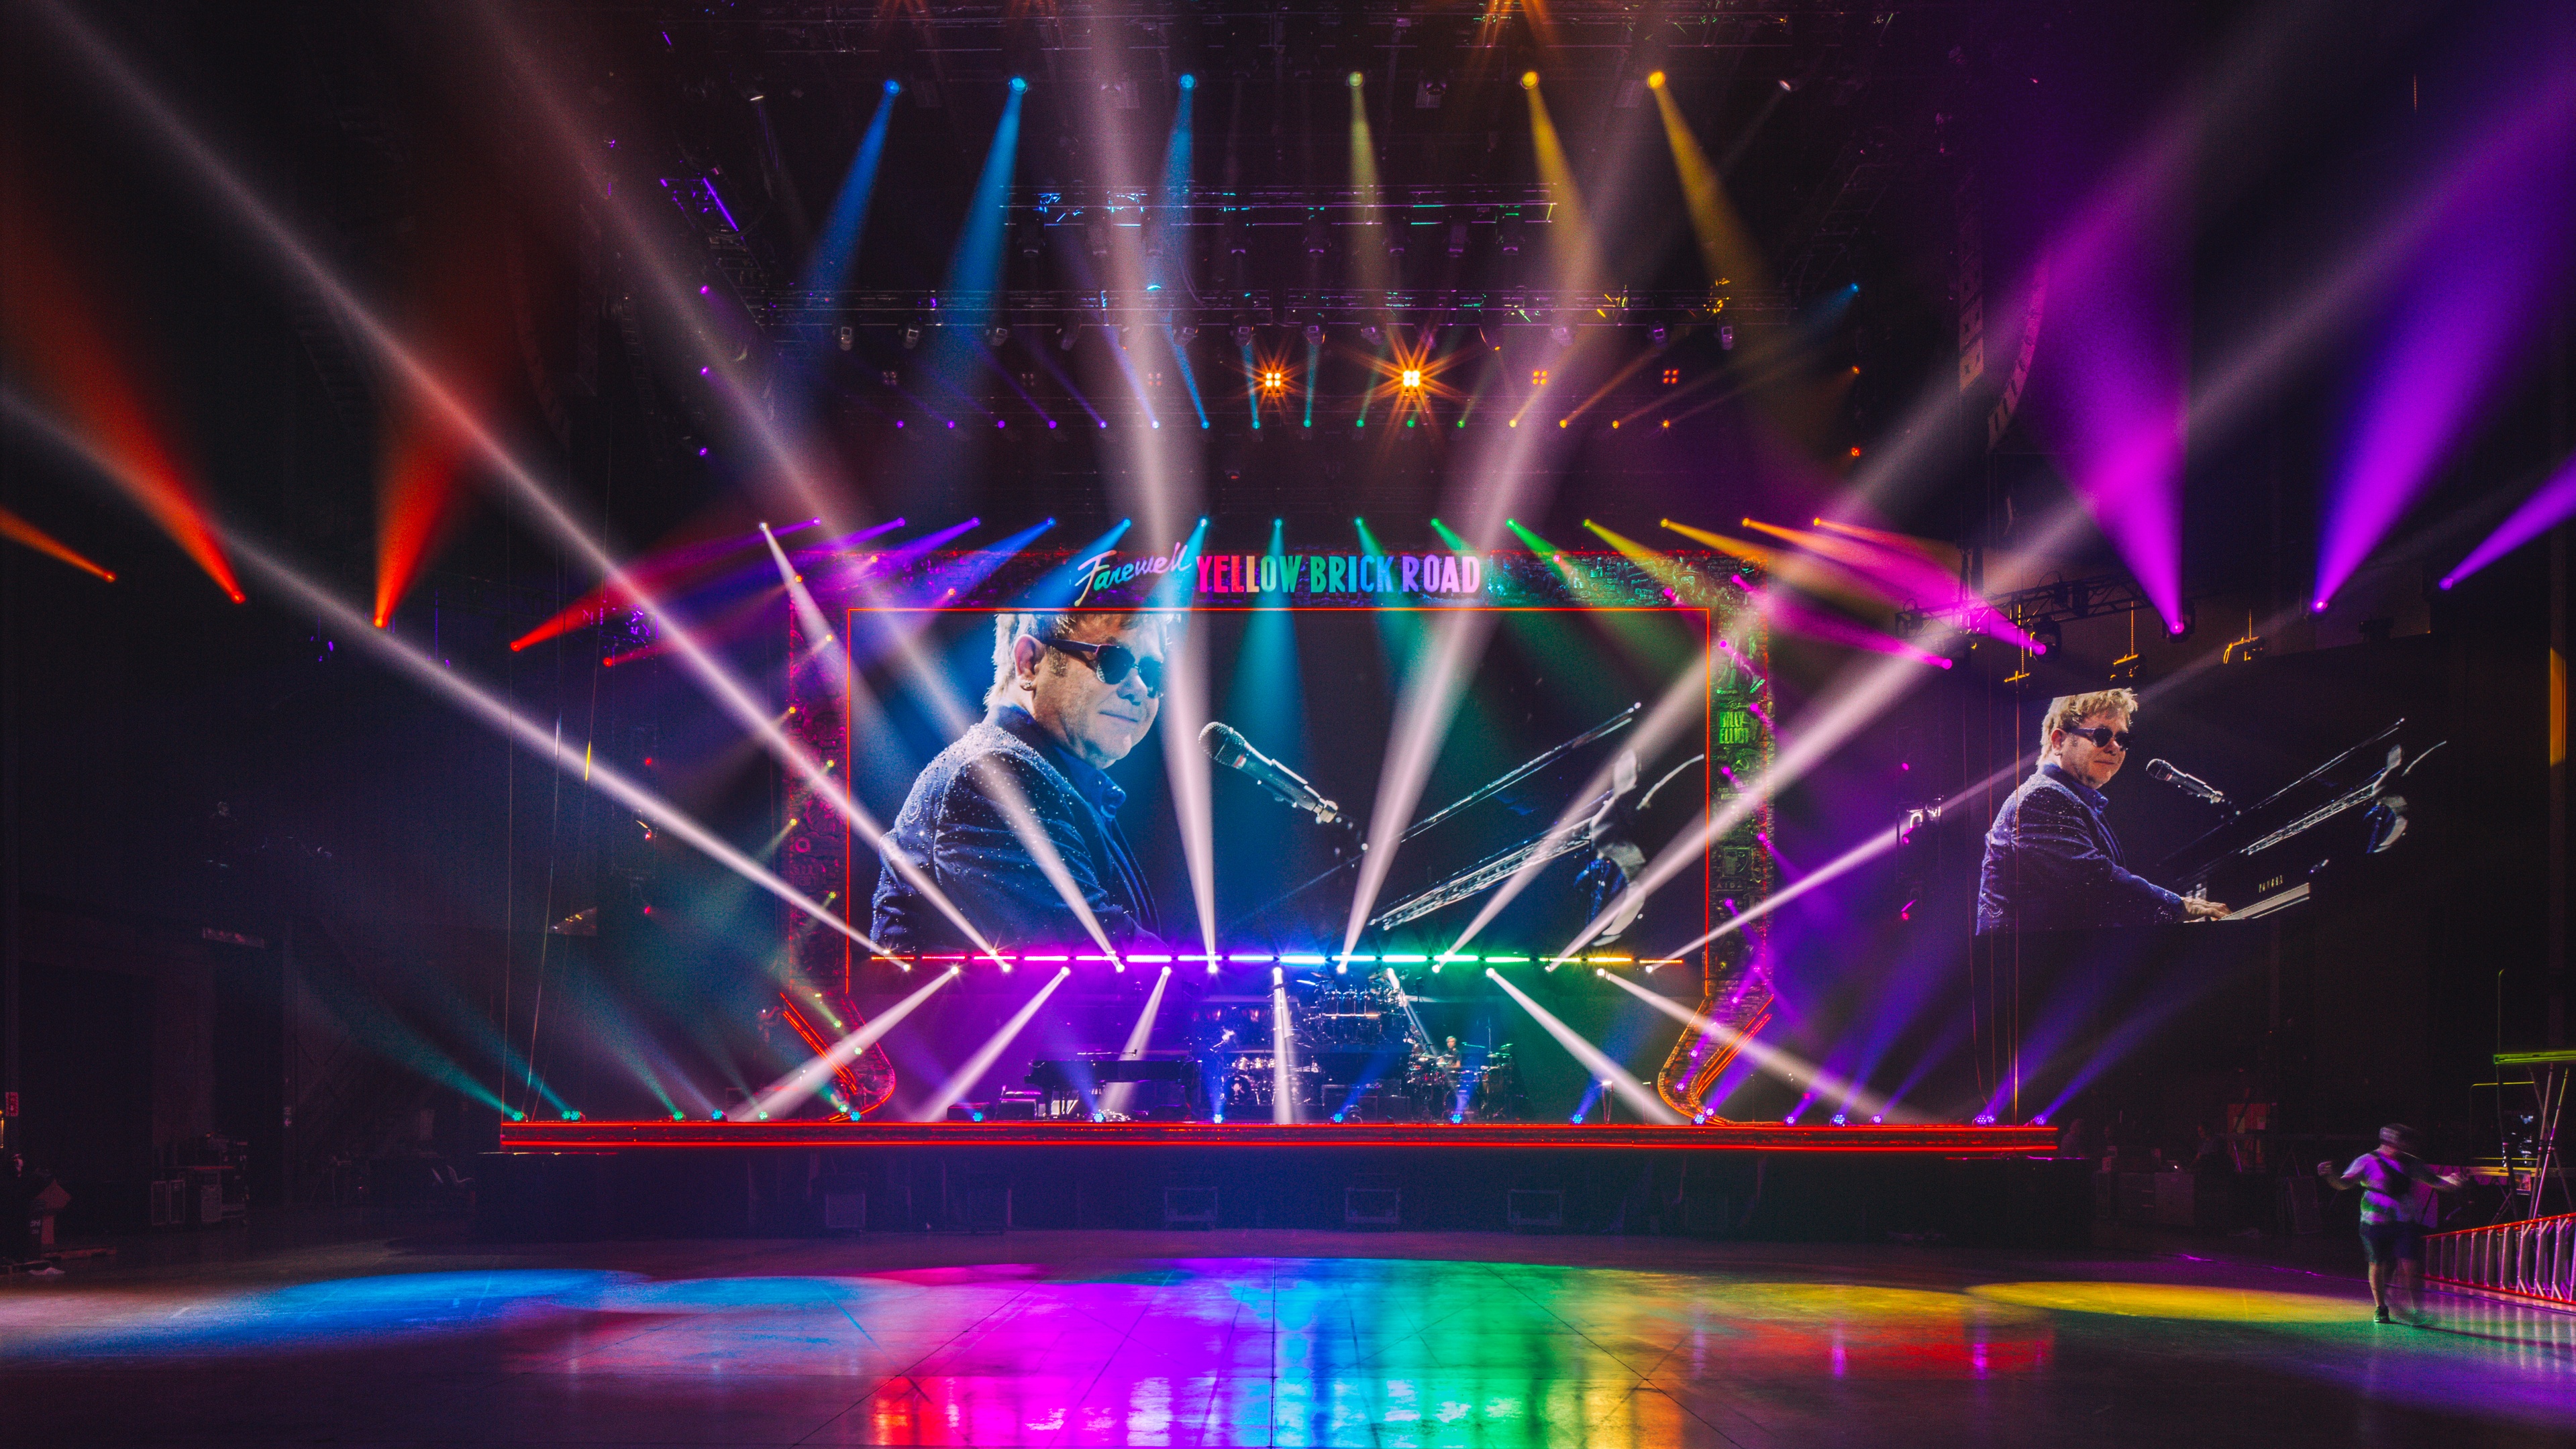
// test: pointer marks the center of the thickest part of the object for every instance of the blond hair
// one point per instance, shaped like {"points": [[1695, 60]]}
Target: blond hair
{"points": [[1010, 628], [2068, 710]]}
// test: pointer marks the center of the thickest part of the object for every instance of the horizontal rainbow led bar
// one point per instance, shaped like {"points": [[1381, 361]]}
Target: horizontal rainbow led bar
{"points": [[1341, 962]]}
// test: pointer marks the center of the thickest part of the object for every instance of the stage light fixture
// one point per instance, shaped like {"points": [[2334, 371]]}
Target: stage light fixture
{"points": [[1242, 334], [1655, 80], [911, 335], [1314, 334], [893, 87], [996, 336], [1659, 335], [1726, 339], [848, 337], [1189, 82], [1354, 80], [1529, 80], [1019, 83], [1507, 236], [1560, 334], [1412, 379], [1067, 335]]}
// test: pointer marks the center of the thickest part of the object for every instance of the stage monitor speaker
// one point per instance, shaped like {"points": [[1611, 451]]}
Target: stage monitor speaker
{"points": [[1372, 1207], [986, 1207], [1535, 1209], [1189, 1207], [845, 1205]]}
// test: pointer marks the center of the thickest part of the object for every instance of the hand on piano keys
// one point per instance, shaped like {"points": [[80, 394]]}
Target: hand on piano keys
{"points": [[2196, 909]]}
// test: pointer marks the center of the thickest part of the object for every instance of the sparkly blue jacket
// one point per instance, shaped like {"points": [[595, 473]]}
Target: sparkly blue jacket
{"points": [[956, 827], [2052, 864]]}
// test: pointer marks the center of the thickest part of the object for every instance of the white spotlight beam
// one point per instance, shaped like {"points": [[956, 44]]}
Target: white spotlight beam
{"points": [[1005, 791], [1422, 721], [1821, 730], [808, 613], [1283, 1046], [792, 1090], [1681, 705], [265, 222], [965, 1077], [579, 145], [1786, 1065], [1645, 1103], [481, 703], [1849, 861], [1497, 488], [943, 700], [1116, 1098], [1185, 700]]}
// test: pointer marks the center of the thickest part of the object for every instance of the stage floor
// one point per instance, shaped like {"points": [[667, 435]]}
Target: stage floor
{"points": [[1934, 1140], [1262, 1338]]}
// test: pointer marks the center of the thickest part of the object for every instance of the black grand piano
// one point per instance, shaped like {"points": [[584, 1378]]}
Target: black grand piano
{"points": [[2266, 857], [1161, 1086]]}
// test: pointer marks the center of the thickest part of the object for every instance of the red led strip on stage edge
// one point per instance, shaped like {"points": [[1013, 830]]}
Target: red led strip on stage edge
{"points": [[1940, 1140], [1308, 959]]}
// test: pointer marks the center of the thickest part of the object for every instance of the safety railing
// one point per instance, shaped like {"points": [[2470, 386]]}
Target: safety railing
{"points": [[2535, 1258]]}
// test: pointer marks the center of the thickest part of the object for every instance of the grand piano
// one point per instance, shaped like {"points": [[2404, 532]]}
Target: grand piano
{"points": [[2266, 857]]}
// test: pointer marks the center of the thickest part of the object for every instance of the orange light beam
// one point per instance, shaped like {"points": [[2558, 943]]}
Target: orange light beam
{"points": [[1803, 572], [1931, 549], [19, 530], [60, 338]]}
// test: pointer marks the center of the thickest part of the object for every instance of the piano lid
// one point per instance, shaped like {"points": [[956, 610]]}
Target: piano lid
{"points": [[2338, 793]]}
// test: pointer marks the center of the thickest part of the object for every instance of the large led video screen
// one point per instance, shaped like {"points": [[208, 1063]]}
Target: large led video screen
{"points": [[1558, 762]]}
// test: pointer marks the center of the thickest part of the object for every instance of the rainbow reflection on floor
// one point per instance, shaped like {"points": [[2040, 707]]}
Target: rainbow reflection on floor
{"points": [[1260, 1338]]}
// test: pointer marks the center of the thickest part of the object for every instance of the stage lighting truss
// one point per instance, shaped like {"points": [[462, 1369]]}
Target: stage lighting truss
{"points": [[2038, 610], [811, 322]]}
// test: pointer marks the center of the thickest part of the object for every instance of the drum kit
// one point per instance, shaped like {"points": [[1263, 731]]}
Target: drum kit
{"points": [[1480, 1086], [1356, 1053]]}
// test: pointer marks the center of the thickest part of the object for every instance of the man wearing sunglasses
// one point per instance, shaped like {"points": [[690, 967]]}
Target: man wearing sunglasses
{"points": [[1072, 694], [2052, 863]]}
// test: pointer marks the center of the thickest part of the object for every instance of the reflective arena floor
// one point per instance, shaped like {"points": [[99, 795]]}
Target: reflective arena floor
{"points": [[1258, 1338]]}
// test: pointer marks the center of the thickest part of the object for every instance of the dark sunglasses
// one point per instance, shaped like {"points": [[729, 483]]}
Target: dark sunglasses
{"points": [[2103, 737], [1114, 662]]}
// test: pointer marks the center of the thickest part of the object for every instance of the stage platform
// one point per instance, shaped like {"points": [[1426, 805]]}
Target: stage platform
{"points": [[559, 1180], [806, 1135]]}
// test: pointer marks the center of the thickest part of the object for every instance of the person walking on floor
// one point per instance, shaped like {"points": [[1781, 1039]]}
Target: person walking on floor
{"points": [[2397, 1207]]}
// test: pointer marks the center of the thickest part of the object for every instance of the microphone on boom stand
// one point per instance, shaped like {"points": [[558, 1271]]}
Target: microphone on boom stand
{"points": [[1226, 745], [2188, 784]]}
